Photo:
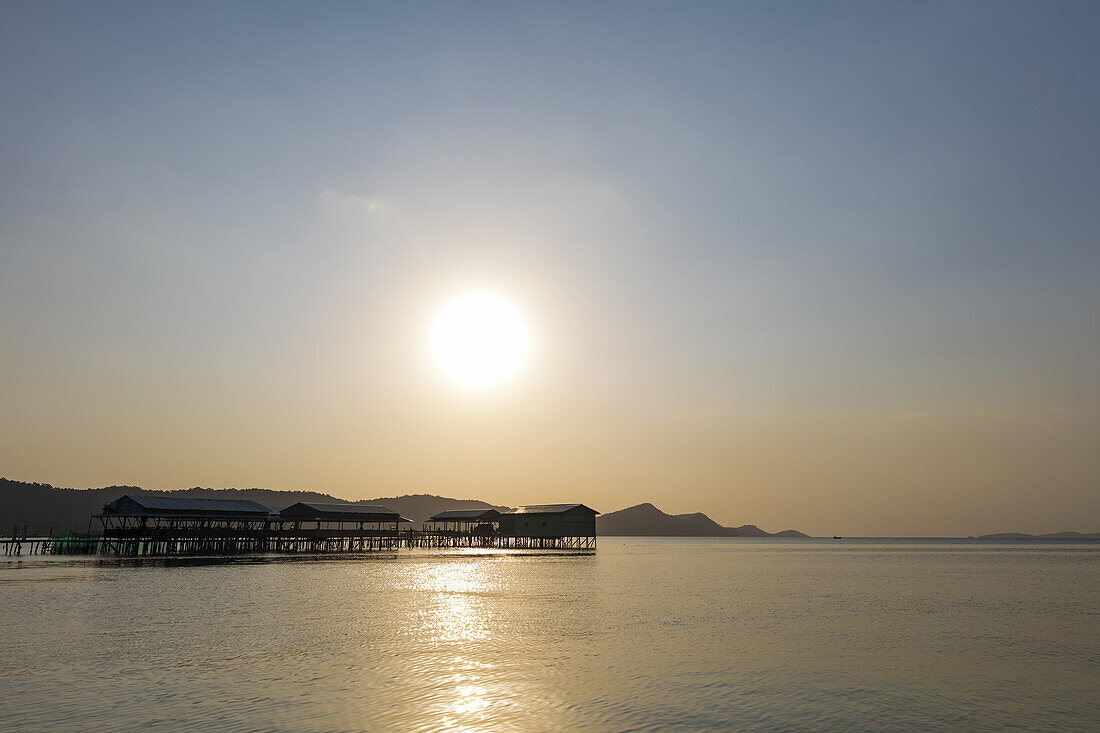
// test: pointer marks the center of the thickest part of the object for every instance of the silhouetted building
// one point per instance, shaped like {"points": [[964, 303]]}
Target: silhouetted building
{"points": [[145, 525], [549, 520], [165, 507], [159, 525], [476, 521], [310, 511]]}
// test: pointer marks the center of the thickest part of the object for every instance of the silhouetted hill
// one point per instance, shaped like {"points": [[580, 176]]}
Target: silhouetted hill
{"points": [[43, 507], [646, 520], [418, 507]]}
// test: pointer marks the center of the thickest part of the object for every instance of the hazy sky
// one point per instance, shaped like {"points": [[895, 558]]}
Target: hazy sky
{"points": [[833, 267]]}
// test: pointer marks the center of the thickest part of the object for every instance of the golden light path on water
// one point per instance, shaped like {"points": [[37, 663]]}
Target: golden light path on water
{"points": [[459, 617]]}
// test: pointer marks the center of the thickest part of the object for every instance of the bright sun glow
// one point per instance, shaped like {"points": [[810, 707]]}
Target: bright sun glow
{"points": [[480, 340]]}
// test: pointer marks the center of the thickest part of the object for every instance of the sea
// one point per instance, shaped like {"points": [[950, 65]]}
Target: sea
{"points": [[642, 634]]}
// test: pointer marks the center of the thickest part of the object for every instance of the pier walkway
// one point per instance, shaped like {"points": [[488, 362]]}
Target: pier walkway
{"points": [[304, 541], [166, 526]]}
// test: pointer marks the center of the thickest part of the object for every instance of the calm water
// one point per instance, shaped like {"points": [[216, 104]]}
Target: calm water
{"points": [[644, 634]]}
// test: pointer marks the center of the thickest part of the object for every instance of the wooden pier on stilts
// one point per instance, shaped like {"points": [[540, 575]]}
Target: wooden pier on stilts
{"points": [[161, 526]]}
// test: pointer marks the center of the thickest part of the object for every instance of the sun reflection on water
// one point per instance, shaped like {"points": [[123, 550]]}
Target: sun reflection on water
{"points": [[471, 698], [458, 615]]}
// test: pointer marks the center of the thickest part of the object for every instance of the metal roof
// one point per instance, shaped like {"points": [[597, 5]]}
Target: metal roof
{"points": [[173, 505], [345, 508], [549, 509], [350, 512], [456, 515]]}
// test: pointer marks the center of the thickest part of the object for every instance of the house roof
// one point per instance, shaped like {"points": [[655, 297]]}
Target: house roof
{"points": [[333, 511], [549, 509], [457, 515], [142, 505]]}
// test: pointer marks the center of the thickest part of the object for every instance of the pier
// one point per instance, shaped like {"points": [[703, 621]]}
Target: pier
{"points": [[160, 526]]}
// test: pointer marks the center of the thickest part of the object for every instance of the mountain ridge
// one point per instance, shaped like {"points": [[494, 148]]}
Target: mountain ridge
{"points": [[646, 520]]}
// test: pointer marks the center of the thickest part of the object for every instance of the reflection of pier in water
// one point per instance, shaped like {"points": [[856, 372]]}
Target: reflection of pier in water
{"points": [[154, 525]]}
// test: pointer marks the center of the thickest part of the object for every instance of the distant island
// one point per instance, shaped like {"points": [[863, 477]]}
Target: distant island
{"points": [[646, 520], [1050, 536]]}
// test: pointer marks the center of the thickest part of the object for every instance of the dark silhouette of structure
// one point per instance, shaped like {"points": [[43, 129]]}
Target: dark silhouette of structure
{"points": [[157, 525]]}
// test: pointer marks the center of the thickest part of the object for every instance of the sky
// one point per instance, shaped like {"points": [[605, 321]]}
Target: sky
{"points": [[823, 266]]}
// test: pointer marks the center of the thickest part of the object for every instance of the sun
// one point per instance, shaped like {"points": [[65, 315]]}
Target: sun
{"points": [[480, 340]]}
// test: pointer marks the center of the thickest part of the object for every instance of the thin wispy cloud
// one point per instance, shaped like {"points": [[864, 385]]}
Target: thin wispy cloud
{"points": [[338, 203]]}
